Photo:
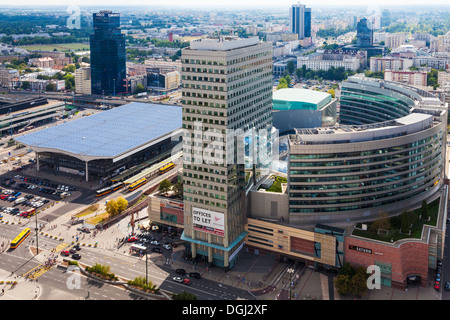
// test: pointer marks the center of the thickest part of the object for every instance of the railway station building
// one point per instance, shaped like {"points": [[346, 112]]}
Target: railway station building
{"points": [[104, 144]]}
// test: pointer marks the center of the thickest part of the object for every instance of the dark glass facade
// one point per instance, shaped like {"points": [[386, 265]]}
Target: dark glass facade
{"points": [[364, 34], [108, 68]]}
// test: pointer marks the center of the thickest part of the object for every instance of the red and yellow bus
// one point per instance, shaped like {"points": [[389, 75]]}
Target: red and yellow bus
{"points": [[166, 168], [19, 239]]}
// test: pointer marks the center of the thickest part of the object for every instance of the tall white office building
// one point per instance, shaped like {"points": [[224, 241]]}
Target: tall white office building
{"points": [[226, 91]]}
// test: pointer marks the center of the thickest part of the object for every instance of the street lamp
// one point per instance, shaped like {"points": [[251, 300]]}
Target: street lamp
{"points": [[290, 271]]}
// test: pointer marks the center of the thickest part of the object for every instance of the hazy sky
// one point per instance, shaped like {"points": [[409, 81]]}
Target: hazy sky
{"points": [[234, 3]]}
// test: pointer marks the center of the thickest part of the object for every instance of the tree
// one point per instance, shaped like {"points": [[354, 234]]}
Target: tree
{"points": [[405, 222], [343, 284], [332, 92], [178, 189], [112, 207], [139, 88], [25, 85], [425, 211], [291, 66], [184, 296], [122, 204], [282, 84], [165, 186], [382, 223], [50, 87], [359, 282]]}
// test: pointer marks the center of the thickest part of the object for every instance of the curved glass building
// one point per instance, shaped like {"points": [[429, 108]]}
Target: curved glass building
{"points": [[386, 155]]}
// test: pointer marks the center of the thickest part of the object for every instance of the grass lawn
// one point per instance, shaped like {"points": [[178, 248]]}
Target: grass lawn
{"points": [[394, 232], [97, 218], [276, 186], [88, 211], [60, 47]]}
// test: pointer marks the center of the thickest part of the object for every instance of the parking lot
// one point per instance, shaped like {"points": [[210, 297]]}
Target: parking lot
{"points": [[25, 196]]}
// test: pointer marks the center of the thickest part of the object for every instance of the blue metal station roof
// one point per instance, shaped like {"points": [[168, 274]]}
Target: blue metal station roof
{"points": [[108, 133]]}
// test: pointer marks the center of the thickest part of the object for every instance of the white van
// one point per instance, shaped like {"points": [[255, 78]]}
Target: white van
{"points": [[20, 200]]}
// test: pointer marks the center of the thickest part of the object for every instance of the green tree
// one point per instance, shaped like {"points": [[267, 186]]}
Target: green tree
{"points": [[405, 222], [359, 282], [178, 189], [165, 186], [282, 84], [139, 88], [50, 87], [424, 210], [26, 85], [184, 296], [343, 284], [291, 66]]}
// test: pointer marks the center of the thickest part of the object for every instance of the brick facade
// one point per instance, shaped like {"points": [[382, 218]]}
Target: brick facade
{"points": [[409, 258]]}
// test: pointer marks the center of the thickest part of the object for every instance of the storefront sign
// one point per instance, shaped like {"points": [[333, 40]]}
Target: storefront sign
{"points": [[360, 249]]}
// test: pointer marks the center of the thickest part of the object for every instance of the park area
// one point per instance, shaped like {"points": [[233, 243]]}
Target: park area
{"points": [[59, 47], [409, 224]]}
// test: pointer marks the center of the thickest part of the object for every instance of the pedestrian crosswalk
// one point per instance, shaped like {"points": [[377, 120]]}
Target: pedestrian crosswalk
{"points": [[43, 268]]}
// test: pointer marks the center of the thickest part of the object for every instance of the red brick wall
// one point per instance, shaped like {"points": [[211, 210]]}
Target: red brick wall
{"points": [[410, 258]]}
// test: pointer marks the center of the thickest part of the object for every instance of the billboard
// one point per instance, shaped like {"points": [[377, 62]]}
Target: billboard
{"points": [[208, 221]]}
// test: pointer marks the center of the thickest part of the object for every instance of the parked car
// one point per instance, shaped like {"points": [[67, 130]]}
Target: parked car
{"points": [[195, 275], [157, 250], [76, 256], [447, 286], [167, 247], [437, 285], [132, 239], [155, 242], [65, 253], [180, 271]]}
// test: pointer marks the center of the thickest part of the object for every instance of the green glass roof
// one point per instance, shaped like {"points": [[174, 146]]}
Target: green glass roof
{"points": [[296, 98]]}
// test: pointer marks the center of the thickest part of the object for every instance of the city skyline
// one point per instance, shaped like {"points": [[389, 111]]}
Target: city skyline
{"points": [[229, 4]]}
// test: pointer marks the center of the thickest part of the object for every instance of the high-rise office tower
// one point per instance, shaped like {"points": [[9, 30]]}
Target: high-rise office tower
{"points": [[364, 34], [108, 68], [300, 20], [227, 105], [385, 18]]}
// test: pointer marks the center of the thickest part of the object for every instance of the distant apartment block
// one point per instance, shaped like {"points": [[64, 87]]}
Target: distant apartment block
{"points": [[433, 62], [83, 80], [443, 78], [46, 62], [415, 78], [395, 40], [7, 76], [325, 59], [378, 64]]}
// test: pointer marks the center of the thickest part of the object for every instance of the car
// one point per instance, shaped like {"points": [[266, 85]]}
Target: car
{"points": [[180, 271], [77, 247], [76, 256], [73, 250], [132, 239], [65, 253], [181, 280], [437, 285], [155, 242], [157, 250], [167, 247], [447, 286], [195, 275]]}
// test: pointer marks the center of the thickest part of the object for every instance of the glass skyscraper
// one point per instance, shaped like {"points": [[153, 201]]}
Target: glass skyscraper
{"points": [[108, 68], [300, 20]]}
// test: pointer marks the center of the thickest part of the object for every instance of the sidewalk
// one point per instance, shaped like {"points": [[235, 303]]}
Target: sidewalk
{"points": [[23, 290]]}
